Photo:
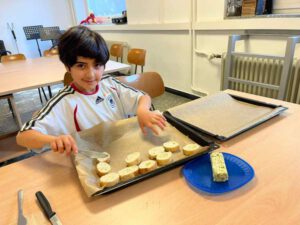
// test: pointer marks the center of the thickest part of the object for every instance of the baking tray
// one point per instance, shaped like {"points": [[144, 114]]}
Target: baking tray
{"points": [[181, 124], [196, 137]]}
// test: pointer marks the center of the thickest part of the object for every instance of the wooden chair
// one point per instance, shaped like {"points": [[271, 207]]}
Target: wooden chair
{"points": [[137, 56], [3, 50], [48, 53], [149, 82], [16, 57], [67, 79], [51, 52], [116, 50], [5, 59]]}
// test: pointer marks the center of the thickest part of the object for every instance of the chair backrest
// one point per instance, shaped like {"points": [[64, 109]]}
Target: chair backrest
{"points": [[3, 50], [149, 82], [116, 50], [51, 52], [15, 57], [2, 46], [136, 56], [67, 79]]}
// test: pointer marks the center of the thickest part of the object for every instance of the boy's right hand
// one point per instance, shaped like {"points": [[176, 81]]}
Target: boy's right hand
{"points": [[64, 143]]}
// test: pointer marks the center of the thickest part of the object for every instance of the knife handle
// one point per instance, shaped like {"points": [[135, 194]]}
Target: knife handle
{"points": [[44, 204]]}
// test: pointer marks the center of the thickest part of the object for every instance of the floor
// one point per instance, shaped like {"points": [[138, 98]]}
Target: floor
{"points": [[28, 102]]}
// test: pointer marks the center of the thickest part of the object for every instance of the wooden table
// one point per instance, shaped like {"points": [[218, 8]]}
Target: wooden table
{"points": [[34, 73], [271, 198]]}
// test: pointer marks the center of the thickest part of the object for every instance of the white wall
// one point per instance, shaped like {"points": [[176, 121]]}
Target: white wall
{"points": [[168, 52], [211, 37], [158, 11], [168, 47], [164, 28], [29, 13]]}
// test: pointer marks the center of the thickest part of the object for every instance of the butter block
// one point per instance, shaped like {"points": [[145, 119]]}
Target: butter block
{"points": [[218, 166]]}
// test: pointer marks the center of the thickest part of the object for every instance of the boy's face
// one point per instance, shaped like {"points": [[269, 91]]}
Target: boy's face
{"points": [[86, 74]]}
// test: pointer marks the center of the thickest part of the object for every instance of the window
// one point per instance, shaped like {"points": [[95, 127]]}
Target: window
{"points": [[106, 8]]}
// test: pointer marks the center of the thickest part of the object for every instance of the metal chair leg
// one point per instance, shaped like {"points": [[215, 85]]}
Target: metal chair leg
{"points": [[44, 94], [50, 92], [15, 110], [10, 107], [40, 95]]}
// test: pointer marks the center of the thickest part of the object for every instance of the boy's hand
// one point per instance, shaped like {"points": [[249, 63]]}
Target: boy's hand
{"points": [[149, 119], [64, 143]]}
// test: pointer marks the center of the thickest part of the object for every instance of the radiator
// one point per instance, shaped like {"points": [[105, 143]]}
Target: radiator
{"points": [[264, 70]]}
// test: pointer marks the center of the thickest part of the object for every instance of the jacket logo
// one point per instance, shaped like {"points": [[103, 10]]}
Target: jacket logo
{"points": [[99, 99], [111, 101]]}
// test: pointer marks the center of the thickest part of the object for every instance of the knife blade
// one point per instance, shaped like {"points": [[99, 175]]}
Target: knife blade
{"points": [[21, 218], [50, 214], [87, 153], [94, 154]]}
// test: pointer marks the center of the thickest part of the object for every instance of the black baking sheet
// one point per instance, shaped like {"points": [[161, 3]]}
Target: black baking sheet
{"points": [[196, 137], [182, 124]]}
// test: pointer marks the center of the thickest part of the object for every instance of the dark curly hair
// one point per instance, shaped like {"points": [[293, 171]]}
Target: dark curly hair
{"points": [[81, 41]]}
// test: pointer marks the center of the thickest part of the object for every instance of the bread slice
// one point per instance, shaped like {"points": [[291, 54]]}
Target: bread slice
{"points": [[128, 172], [133, 159], [154, 151], [171, 146], [164, 158], [191, 149], [103, 168], [109, 180], [147, 166], [104, 159]]}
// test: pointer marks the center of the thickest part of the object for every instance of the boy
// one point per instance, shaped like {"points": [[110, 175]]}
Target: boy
{"points": [[91, 98]]}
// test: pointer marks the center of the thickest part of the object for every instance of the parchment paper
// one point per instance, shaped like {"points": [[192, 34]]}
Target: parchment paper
{"points": [[222, 115], [119, 139]]}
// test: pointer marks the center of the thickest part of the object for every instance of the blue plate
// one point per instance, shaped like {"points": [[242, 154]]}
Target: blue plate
{"points": [[198, 174]]}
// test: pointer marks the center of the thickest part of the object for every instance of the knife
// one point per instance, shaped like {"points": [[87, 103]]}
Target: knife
{"points": [[94, 154], [21, 218], [51, 215], [87, 153]]}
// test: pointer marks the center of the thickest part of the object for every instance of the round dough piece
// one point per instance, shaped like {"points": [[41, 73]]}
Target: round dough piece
{"points": [[164, 158], [147, 166], [191, 149], [154, 151], [103, 168], [128, 172], [133, 159], [109, 180], [171, 146], [104, 159], [135, 169]]}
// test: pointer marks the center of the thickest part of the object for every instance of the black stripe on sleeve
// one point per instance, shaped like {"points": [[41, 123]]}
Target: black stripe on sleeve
{"points": [[50, 104]]}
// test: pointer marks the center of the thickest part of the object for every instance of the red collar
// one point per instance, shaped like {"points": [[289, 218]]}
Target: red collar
{"points": [[83, 92]]}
